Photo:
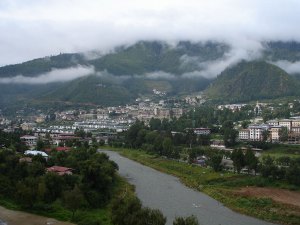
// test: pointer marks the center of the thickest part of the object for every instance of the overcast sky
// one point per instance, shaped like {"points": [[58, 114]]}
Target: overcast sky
{"points": [[36, 28]]}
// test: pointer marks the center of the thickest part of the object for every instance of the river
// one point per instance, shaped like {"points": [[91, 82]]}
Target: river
{"points": [[165, 192]]}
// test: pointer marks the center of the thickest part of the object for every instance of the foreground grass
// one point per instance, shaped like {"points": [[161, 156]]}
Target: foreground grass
{"points": [[83, 216], [292, 151], [222, 186]]}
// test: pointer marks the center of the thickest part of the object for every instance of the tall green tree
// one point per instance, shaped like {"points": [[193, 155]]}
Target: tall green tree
{"points": [[251, 162], [238, 159], [74, 200]]}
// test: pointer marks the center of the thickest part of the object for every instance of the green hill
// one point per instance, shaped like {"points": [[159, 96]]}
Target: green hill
{"points": [[137, 69], [252, 80]]}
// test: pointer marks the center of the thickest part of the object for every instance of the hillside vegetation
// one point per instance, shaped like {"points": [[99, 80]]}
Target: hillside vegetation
{"points": [[253, 80]]}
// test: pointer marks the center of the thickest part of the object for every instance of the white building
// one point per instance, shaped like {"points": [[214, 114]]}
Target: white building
{"points": [[256, 131], [244, 134], [35, 152], [285, 123], [202, 131]]}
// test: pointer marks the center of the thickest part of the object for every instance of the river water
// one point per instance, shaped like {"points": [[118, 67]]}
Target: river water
{"points": [[167, 193]]}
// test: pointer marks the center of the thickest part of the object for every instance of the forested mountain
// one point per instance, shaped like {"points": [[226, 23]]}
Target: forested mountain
{"points": [[128, 72], [252, 80]]}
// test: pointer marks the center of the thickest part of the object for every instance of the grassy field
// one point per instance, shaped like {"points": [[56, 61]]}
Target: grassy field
{"points": [[292, 151], [222, 186]]}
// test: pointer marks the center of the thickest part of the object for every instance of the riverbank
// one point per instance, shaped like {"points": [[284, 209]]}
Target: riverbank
{"points": [[224, 187]]}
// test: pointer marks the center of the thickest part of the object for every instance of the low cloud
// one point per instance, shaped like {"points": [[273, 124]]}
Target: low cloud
{"points": [[55, 75], [158, 75], [289, 67], [211, 69]]}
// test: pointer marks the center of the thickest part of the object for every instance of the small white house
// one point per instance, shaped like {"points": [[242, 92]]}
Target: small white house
{"points": [[35, 152]]}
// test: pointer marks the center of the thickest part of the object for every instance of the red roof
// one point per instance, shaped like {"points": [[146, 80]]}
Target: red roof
{"points": [[60, 170], [63, 149], [60, 149]]}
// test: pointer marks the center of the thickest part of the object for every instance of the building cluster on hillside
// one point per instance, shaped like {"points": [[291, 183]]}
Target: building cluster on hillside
{"points": [[232, 107], [271, 131]]}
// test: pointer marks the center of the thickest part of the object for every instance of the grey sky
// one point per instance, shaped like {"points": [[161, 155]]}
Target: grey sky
{"points": [[36, 28]]}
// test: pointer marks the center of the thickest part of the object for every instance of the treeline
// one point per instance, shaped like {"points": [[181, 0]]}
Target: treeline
{"points": [[12, 140], [160, 138], [282, 168], [30, 186], [157, 139]]}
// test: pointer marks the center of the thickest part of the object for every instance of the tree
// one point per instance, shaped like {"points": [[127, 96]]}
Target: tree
{"points": [[283, 134], [147, 216], [268, 168], [190, 220], [40, 144], [265, 135], [245, 124], [124, 210], [167, 146], [238, 159], [155, 124], [230, 136], [128, 210], [215, 162], [54, 186], [251, 162], [292, 174], [74, 200]]}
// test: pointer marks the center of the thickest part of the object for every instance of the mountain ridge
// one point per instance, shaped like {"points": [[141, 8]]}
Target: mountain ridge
{"points": [[127, 69]]}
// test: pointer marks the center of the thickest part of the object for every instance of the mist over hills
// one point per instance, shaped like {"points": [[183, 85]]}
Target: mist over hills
{"points": [[131, 71]]}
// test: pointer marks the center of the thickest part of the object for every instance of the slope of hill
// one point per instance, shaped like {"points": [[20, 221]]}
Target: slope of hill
{"points": [[252, 80]]}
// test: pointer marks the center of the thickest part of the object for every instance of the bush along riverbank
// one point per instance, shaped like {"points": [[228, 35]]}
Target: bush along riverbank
{"points": [[230, 188]]}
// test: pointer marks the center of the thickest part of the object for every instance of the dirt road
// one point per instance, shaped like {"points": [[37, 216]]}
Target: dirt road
{"points": [[278, 195], [11, 217]]}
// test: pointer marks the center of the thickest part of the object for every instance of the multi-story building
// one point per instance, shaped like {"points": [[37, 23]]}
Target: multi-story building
{"points": [[296, 123], [274, 133], [285, 123], [29, 140], [244, 134], [256, 131]]}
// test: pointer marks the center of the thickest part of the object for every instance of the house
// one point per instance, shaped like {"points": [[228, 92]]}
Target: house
{"points": [[59, 149], [29, 140], [60, 170], [25, 159], [64, 138]]}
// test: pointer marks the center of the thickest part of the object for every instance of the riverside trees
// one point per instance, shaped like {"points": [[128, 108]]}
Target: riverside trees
{"points": [[29, 185]]}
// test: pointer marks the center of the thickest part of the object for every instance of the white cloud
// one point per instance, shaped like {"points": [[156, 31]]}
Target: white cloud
{"points": [[35, 28], [56, 75], [289, 67]]}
